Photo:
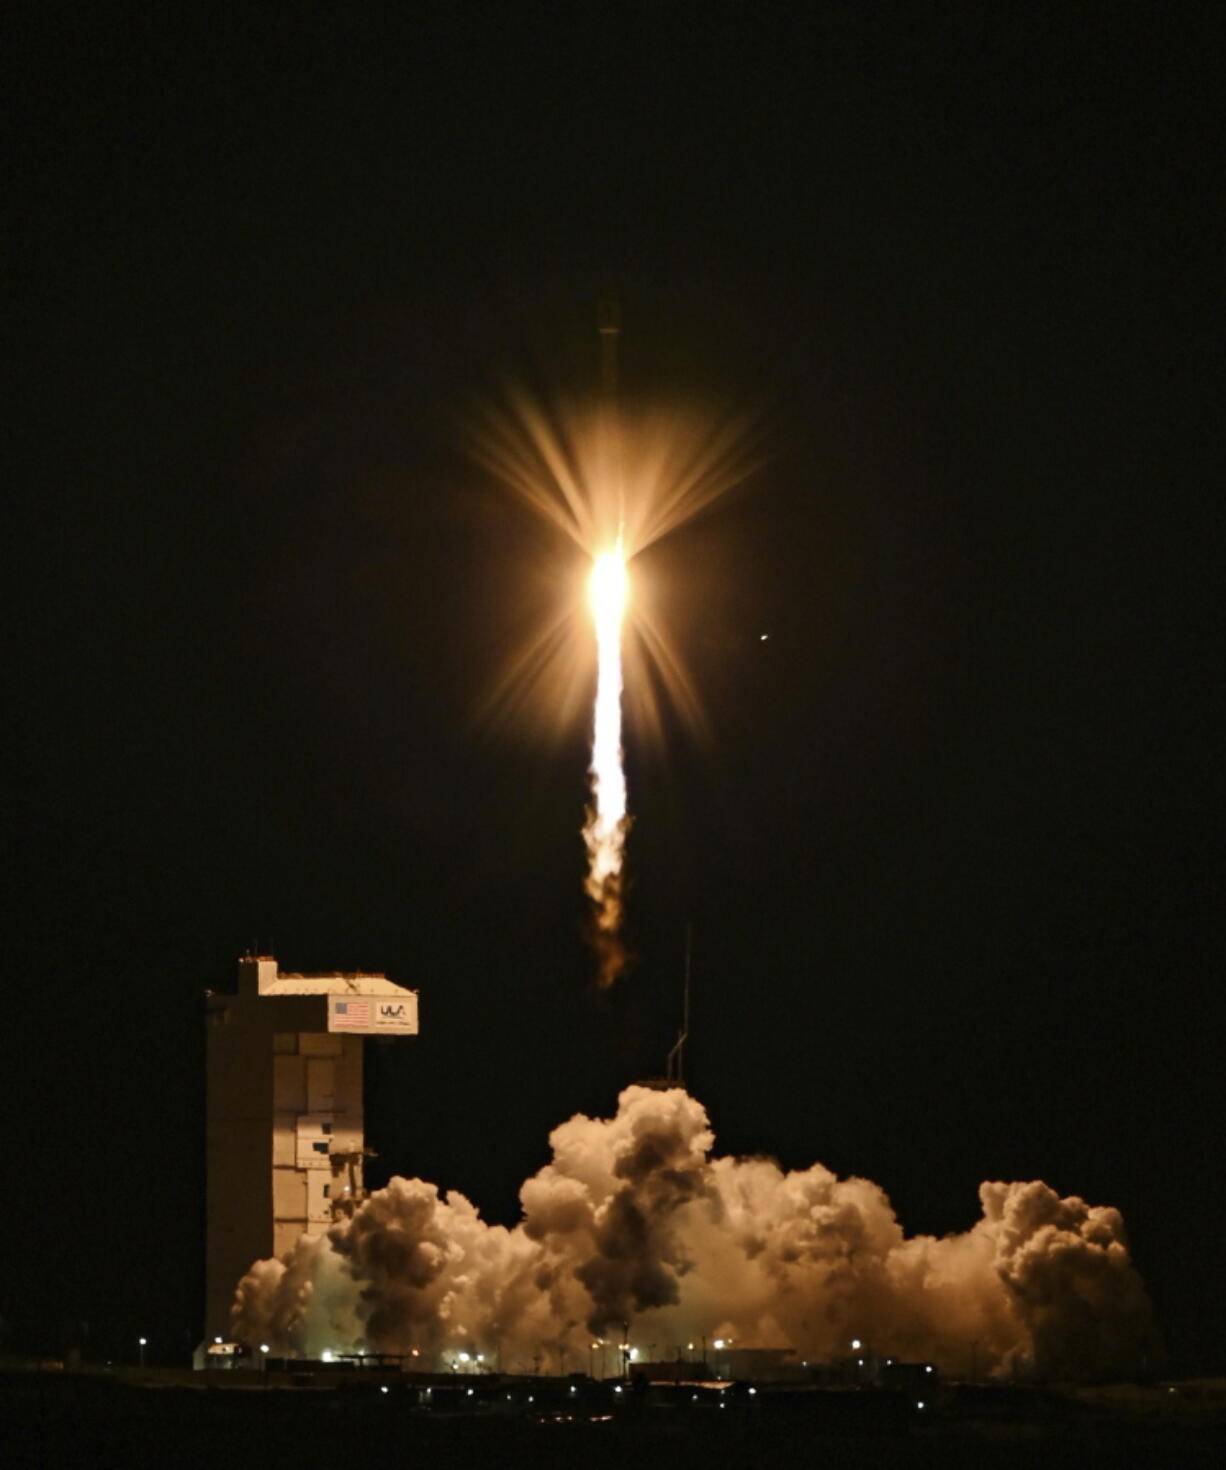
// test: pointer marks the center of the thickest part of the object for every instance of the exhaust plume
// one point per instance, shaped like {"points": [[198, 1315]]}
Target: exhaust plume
{"points": [[605, 830], [634, 1221]]}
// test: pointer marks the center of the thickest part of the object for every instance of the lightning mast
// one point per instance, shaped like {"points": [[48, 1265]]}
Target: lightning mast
{"points": [[675, 1066]]}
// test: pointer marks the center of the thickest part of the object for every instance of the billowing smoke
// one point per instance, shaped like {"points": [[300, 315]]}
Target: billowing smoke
{"points": [[635, 1222]]}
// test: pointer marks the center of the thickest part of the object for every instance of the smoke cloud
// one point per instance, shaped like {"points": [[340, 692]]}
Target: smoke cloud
{"points": [[634, 1221]]}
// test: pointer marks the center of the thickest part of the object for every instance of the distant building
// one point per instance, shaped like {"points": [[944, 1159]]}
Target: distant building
{"points": [[285, 1139], [757, 1365], [724, 1361]]}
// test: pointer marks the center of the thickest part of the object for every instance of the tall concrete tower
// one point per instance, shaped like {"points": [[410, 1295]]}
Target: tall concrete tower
{"points": [[285, 1139]]}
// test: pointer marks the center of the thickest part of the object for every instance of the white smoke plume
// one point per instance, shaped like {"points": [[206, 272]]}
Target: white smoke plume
{"points": [[635, 1222]]}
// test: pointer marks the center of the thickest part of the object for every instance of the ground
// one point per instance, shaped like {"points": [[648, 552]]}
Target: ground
{"points": [[113, 1419]]}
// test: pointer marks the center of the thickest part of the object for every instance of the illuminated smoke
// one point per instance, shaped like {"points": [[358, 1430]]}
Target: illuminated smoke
{"points": [[605, 830], [634, 1221]]}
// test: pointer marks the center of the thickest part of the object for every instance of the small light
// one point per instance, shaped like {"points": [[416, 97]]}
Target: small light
{"points": [[763, 637], [470, 1393], [464, 1358], [753, 1390], [573, 1389], [326, 1355], [719, 1343], [217, 1339], [143, 1341], [928, 1368], [855, 1344], [415, 1353], [920, 1404], [263, 1347], [383, 1388]]}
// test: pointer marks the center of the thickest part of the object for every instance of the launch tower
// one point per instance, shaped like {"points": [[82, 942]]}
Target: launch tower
{"points": [[285, 1139]]}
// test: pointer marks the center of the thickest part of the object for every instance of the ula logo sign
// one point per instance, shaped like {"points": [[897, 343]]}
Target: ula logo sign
{"points": [[370, 1016]]}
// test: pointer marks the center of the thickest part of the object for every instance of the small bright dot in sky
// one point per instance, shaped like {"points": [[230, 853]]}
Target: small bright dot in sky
{"points": [[763, 637]]}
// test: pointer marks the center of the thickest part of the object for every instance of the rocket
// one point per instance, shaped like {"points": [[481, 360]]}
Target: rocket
{"points": [[609, 326]]}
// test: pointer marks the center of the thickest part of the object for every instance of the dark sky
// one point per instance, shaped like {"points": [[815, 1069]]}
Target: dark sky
{"points": [[952, 850]]}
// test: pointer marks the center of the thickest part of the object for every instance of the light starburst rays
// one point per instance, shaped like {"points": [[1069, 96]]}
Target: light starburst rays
{"points": [[612, 485]]}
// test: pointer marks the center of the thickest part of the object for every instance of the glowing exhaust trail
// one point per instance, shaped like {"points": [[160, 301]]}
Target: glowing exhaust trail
{"points": [[613, 482], [605, 831]]}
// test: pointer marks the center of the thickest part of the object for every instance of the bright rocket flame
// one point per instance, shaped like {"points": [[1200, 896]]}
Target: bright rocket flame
{"points": [[605, 831]]}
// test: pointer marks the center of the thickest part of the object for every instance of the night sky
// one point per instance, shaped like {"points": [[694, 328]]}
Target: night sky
{"points": [[951, 848]]}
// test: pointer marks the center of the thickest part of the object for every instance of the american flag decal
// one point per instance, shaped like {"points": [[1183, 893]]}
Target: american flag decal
{"points": [[351, 1013]]}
